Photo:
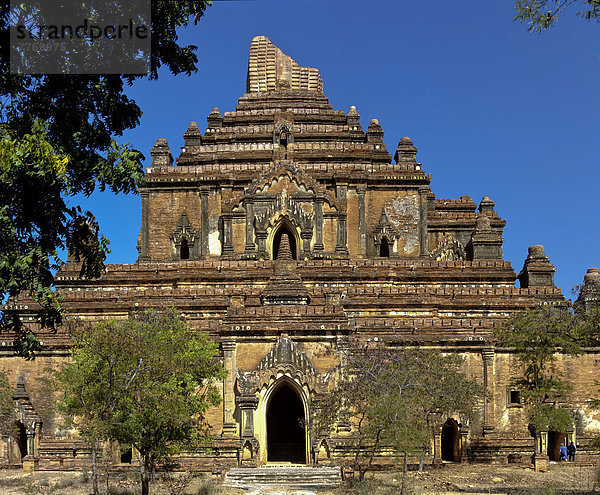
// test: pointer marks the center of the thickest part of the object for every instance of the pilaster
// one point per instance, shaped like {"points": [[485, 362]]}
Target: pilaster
{"points": [[250, 249], [204, 230], [229, 360], [318, 225], [423, 235], [144, 241], [362, 218], [227, 235], [488, 382], [341, 246]]}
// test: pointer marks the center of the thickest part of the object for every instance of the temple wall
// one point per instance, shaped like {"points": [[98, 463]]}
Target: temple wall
{"points": [[402, 211], [164, 214]]}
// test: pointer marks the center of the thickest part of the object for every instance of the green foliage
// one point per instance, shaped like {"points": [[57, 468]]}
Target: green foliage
{"points": [[7, 406], [146, 381], [58, 138], [172, 372], [537, 336], [542, 14], [395, 399]]}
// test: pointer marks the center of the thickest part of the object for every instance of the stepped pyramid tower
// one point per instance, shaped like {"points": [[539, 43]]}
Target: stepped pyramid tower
{"points": [[288, 232]]}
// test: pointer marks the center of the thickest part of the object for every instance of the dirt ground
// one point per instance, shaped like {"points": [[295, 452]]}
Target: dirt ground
{"points": [[447, 479], [495, 479]]}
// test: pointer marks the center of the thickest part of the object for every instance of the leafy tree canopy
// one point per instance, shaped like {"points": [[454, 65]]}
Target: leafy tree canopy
{"points": [[58, 138], [395, 399], [542, 14], [146, 381], [7, 406]]}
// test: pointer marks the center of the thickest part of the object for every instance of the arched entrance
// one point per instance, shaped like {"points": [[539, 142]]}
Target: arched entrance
{"points": [[284, 229], [555, 440], [451, 450], [286, 435]]}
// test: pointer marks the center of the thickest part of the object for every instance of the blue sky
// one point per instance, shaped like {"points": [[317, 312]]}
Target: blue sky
{"points": [[494, 110]]}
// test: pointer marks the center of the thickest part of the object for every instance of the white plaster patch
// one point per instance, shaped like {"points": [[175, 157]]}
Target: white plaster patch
{"points": [[214, 243], [505, 420], [403, 214], [588, 423]]}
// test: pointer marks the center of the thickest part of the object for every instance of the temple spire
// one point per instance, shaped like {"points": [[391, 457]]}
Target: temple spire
{"points": [[269, 69]]}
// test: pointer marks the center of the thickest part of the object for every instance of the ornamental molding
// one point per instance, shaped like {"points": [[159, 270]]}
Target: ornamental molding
{"points": [[284, 359], [184, 231]]}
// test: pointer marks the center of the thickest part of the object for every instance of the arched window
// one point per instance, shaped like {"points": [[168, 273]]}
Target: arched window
{"points": [[185, 250], [384, 248]]}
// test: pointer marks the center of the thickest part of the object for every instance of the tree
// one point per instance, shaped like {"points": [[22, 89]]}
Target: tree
{"points": [[7, 406], [443, 391], [537, 335], [97, 378], [542, 14], [58, 138], [145, 382], [393, 399]]}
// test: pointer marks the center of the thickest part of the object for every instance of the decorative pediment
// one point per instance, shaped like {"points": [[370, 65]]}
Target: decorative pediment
{"points": [[284, 170], [283, 207], [183, 240], [184, 231], [385, 230], [450, 251], [283, 359], [283, 129]]}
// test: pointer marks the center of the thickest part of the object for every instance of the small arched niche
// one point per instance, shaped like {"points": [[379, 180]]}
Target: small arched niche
{"points": [[284, 228], [283, 139], [384, 248], [184, 250]]}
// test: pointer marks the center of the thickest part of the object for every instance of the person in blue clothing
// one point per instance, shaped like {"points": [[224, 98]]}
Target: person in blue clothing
{"points": [[563, 452]]}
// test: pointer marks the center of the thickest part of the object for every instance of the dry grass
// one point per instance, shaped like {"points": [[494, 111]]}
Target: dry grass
{"points": [[446, 480]]}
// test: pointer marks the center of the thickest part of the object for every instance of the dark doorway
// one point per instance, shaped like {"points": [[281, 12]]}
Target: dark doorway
{"points": [[286, 439], [277, 241], [555, 440], [450, 441], [127, 456], [19, 449], [185, 250], [384, 248]]}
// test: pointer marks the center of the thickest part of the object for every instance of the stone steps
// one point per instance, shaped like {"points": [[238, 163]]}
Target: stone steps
{"points": [[299, 477]]}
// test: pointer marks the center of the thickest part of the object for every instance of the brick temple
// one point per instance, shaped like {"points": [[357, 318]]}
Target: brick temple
{"points": [[287, 231]]}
